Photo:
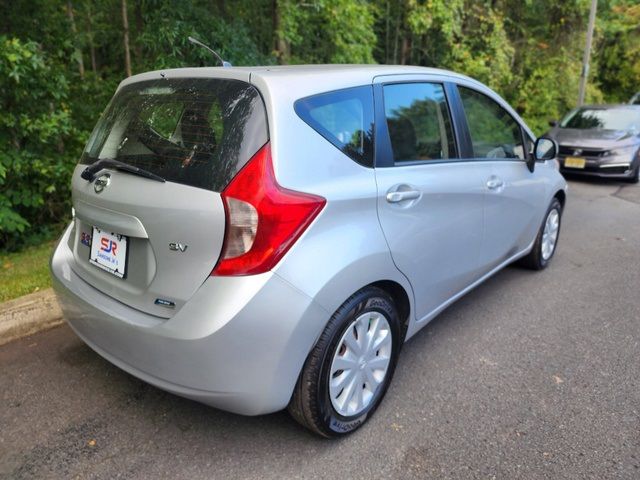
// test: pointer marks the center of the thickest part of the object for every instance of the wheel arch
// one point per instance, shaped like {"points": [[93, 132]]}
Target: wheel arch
{"points": [[561, 196], [400, 297]]}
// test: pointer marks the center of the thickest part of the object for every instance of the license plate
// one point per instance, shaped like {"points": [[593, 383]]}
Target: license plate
{"points": [[109, 252], [574, 162]]}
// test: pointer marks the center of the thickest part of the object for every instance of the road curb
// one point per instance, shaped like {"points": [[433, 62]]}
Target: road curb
{"points": [[29, 314]]}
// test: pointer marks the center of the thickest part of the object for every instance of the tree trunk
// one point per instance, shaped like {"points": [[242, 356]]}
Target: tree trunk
{"points": [[125, 38], [75, 38], [137, 48], [395, 40], [281, 45], [222, 11], [405, 52], [92, 47], [386, 34]]}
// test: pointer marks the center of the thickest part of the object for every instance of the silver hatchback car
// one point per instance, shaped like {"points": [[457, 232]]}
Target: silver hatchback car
{"points": [[269, 237]]}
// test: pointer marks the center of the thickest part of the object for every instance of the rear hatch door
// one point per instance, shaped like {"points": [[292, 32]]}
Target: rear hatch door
{"points": [[151, 242]]}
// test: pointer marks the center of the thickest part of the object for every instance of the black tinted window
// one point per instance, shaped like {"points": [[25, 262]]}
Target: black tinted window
{"points": [[494, 132], [344, 118], [419, 122], [198, 132]]}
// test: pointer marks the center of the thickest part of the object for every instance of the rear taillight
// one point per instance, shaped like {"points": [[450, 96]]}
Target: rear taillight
{"points": [[263, 219]]}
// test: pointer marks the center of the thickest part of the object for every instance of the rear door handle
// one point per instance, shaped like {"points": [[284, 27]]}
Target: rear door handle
{"points": [[494, 183], [396, 197]]}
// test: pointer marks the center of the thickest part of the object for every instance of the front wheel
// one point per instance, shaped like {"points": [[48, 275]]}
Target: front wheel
{"points": [[547, 240], [349, 370]]}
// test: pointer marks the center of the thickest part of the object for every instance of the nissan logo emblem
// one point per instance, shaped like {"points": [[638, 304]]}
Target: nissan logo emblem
{"points": [[102, 182]]}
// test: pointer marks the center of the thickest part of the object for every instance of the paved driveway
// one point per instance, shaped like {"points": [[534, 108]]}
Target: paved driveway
{"points": [[532, 375]]}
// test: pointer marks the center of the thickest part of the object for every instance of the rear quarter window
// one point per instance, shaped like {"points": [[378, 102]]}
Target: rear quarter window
{"points": [[344, 118]]}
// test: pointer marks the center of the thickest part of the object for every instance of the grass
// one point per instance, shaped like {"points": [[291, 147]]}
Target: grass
{"points": [[25, 272]]}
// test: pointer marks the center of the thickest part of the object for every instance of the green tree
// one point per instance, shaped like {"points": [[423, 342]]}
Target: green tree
{"points": [[529, 51], [35, 124], [619, 49], [325, 31]]}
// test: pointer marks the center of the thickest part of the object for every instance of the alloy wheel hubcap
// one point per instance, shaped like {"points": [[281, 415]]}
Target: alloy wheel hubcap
{"points": [[550, 234], [360, 364]]}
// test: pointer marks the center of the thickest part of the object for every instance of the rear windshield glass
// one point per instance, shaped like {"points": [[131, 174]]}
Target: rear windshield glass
{"points": [[344, 118], [197, 132], [604, 118]]}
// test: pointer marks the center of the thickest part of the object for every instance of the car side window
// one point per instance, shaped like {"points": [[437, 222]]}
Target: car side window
{"points": [[494, 132], [419, 122], [344, 118]]}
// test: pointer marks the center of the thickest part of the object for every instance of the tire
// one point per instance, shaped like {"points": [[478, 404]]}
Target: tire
{"points": [[312, 403], [536, 259]]}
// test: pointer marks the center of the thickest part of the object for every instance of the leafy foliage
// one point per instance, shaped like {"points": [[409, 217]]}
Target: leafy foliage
{"points": [[167, 25], [620, 62], [60, 62], [35, 123]]}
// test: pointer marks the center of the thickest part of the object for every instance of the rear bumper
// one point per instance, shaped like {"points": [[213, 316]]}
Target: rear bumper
{"points": [[237, 345]]}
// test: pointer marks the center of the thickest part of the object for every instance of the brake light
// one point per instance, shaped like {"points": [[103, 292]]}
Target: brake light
{"points": [[263, 219]]}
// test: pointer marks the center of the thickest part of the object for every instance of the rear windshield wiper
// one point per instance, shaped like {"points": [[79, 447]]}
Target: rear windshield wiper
{"points": [[89, 173]]}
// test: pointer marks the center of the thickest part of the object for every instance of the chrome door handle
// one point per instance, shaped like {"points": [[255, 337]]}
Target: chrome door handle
{"points": [[395, 197], [494, 183]]}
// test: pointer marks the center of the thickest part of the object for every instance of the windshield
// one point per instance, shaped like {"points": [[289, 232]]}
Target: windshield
{"points": [[603, 118], [197, 132]]}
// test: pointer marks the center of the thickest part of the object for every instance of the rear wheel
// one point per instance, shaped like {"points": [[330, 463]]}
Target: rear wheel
{"points": [[349, 370], [547, 239]]}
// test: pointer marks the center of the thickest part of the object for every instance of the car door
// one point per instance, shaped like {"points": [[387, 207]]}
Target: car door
{"points": [[501, 146], [430, 203]]}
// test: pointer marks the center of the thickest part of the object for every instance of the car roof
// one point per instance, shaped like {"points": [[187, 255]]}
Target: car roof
{"points": [[286, 83], [370, 69], [272, 74]]}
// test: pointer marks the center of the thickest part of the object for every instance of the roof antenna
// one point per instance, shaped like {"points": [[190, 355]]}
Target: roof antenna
{"points": [[213, 52]]}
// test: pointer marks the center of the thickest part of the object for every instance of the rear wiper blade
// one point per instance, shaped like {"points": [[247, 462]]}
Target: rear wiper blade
{"points": [[89, 173]]}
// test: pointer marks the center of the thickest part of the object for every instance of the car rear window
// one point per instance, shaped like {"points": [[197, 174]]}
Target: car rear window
{"points": [[197, 132], [344, 118]]}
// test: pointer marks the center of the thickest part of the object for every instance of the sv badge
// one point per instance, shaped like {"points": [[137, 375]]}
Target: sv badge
{"points": [[177, 247]]}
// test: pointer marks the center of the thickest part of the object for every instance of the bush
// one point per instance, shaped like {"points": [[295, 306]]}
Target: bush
{"points": [[36, 134]]}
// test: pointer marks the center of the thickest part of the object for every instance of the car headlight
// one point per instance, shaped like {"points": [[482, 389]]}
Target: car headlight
{"points": [[622, 151]]}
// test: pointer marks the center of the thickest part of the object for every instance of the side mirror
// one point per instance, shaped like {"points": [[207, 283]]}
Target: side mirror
{"points": [[553, 123], [545, 149]]}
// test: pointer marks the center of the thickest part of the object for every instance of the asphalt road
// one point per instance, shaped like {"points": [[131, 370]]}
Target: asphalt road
{"points": [[532, 375]]}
